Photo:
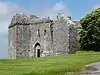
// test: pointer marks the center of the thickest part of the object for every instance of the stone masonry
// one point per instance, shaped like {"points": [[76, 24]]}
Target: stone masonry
{"points": [[30, 36]]}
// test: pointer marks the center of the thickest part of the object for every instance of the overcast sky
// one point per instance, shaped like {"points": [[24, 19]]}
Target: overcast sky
{"points": [[75, 8]]}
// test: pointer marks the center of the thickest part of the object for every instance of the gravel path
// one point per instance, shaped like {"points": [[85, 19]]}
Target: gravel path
{"points": [[91, 69]]}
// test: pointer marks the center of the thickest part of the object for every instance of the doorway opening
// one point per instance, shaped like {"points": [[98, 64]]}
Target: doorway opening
{"points": [[37, 50]]}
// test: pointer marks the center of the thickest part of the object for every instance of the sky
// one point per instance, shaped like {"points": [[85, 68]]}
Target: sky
{"points": [[77, 9]]}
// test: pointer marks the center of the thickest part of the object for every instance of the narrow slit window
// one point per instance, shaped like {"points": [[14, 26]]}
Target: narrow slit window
{"points": [[44, 32], [38, 33]]}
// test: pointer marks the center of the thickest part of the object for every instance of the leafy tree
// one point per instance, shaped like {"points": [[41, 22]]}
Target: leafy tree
{"points": [[90, 32]]}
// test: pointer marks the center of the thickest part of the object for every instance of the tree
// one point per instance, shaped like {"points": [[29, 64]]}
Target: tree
{"points": [[90, 32]]}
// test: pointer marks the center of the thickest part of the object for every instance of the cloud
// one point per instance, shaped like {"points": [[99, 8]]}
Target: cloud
{"points": [[6, 14], [59, 7]]}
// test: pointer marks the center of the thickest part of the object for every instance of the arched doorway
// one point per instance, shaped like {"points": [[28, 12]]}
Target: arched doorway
{"points": [[37, 50]]}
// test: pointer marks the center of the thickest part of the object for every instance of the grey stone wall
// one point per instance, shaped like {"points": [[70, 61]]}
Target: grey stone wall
{"points": [[61, 37], [12, 43], [40, 33], [73, 44], [23, 41], [19, 41], [29, 35]]}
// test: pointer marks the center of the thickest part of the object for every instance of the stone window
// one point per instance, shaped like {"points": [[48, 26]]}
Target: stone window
{"points": [[44, 32], [38, 33]]}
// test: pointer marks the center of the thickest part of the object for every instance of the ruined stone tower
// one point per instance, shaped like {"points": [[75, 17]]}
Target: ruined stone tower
{"points": [[30, 36]]}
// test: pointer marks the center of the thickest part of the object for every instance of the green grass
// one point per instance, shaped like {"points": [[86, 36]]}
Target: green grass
{"points": [[58, 65]]}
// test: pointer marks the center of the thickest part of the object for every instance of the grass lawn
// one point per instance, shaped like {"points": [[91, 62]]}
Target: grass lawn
{"points": [[55, 65]]}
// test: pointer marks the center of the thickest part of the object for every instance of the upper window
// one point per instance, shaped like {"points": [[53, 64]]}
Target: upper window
{"points": [[44, 32], [38, 33]]}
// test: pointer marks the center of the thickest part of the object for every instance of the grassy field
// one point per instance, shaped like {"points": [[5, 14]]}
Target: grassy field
{"points": [[58, 65]]}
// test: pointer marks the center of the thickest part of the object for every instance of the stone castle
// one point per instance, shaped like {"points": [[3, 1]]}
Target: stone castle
{"points": [[30, 36]]}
